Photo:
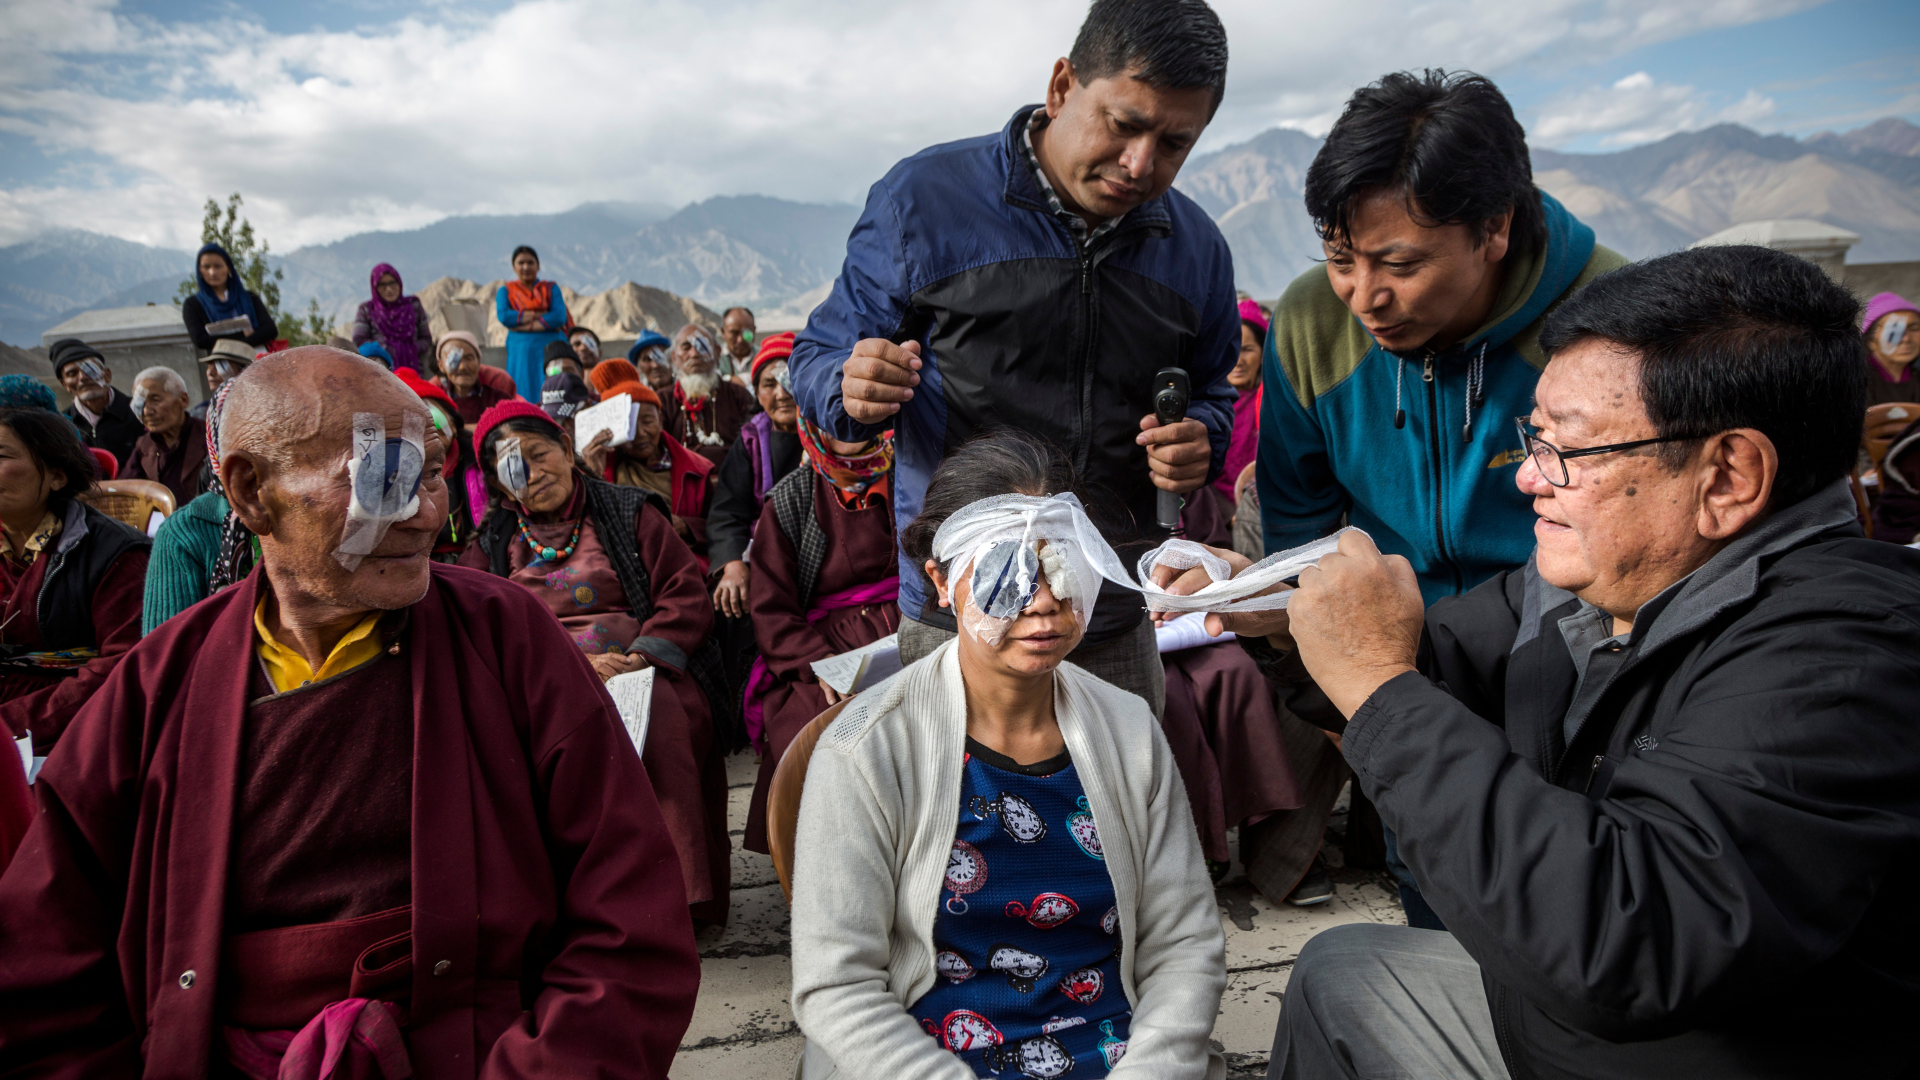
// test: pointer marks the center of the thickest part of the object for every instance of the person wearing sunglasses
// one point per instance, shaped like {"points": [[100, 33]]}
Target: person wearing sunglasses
{"points": [[1663, 782]]}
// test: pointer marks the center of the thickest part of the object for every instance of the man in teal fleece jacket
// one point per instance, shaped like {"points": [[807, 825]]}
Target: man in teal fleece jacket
{"points": [[1396, 369]]}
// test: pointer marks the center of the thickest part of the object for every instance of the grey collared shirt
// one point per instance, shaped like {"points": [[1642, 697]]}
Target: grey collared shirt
{"points": [[1083, 235]]}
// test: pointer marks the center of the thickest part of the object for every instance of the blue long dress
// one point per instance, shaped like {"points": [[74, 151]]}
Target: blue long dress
{"points": [[527, 349]]}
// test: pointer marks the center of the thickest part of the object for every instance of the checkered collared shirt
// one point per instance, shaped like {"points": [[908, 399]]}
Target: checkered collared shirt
{"points": [[1082, 234]]}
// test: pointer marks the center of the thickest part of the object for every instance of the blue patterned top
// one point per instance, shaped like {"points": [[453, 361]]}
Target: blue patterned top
{"points": [[1027, 939]]}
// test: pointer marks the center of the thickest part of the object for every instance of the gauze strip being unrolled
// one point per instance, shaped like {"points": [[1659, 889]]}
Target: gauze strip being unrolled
{"points": [[1227, 593], [1068, 550], [384, 477]]}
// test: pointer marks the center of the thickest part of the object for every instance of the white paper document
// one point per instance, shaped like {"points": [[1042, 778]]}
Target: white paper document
{"points": [[239, 324], [614, 414], [633, 696], [852, 672], [1185, 632]]}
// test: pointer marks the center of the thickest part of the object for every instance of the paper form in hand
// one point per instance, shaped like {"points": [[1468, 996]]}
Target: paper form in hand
{"points": [[614, 414], [239, 324], [632, 694], [852, 672]]}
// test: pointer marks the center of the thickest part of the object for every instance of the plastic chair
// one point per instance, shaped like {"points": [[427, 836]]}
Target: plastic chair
{"points": [[783, 795], [1885, 423], [109, 465], [131, 501]]}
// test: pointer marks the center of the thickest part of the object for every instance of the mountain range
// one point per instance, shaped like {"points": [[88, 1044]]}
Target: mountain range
{"points": [[780, 256]]}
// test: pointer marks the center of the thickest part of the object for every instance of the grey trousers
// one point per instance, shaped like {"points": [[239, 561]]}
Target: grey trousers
{"points": [[1130, 661], [1371, 1002]]}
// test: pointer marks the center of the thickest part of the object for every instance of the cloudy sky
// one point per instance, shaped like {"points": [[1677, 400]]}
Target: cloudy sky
{"points": [[337, 116]]}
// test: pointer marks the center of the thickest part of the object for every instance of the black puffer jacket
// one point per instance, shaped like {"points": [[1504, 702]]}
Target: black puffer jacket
{"points": [[1717, 875]]}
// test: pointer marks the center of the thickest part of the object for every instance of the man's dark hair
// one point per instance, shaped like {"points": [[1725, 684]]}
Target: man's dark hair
{"points": [[1735, 337], [747, 311], [1167, 44], [54, 446], [1446, 142], [522, 250]]}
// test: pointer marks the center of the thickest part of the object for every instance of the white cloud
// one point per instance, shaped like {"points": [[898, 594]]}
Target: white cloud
{"points": [[1638, 109], [554, 102]]}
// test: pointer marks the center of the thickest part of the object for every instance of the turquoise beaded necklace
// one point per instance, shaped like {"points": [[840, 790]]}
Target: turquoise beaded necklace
{"points": [[546, 553]]}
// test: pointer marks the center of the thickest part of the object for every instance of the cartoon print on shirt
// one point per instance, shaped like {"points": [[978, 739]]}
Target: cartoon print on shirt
{"points": [[1083, 985], [1041, 1056], [1048, 910], [1080, 827], [965, 1029], [954, 966], [1017, 816], [1022, 968], [1111, 1047], [966, 873]]}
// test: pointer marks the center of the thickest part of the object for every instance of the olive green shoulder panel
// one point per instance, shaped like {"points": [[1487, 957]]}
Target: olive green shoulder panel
{"points": [[1316, 340], [1527, 341]]}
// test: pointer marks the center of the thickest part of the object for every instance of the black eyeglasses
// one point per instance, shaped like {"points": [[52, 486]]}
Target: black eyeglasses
{"points": [[1552, 461]]}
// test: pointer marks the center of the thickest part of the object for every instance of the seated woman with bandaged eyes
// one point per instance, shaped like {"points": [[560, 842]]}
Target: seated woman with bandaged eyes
{"points": [[996, 871]]}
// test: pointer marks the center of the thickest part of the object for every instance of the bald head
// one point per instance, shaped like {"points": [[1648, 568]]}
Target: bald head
{"points": [[296, 407]]}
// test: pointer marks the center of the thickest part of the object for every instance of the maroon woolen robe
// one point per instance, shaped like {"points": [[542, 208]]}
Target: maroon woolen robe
{"points": [[687, 768], [860, 551], [1226, 740], [542, 872]]}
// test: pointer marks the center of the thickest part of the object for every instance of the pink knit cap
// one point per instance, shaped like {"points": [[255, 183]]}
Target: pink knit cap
{"points": [[1884, 304], [1250, 312]]}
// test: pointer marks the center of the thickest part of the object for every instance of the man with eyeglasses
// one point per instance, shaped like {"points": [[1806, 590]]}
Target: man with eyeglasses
{"points": [[1663, 782]]}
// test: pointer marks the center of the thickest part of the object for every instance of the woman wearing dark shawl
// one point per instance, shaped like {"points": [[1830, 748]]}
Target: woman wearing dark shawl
{"points": [[395, 320], [216, 308], [826, 580]]}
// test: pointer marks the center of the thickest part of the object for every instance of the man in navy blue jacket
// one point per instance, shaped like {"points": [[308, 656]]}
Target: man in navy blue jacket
{"points": [[1037, 278]]}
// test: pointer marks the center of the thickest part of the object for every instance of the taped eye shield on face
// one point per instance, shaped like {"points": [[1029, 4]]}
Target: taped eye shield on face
{"points": [[384, 475], [1008, 542]]}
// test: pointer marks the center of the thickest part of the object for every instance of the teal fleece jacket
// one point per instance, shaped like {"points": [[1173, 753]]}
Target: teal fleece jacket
{"points": [[182, 559], [1440, 490]]}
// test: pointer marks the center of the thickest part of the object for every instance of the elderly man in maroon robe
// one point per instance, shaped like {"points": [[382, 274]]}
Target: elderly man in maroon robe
{"points": [[362, 814]]}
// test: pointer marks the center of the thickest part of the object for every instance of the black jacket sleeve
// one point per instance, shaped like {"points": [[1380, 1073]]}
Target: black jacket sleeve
{"points": [[1735, 845], [195, 317], [264, 333], [732, 513]]}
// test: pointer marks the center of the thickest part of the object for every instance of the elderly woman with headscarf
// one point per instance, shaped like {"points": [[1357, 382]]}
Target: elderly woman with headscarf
{"points": [[534, 313], [651, 459], [222, 306], [395, 320], [474, 387], [705, 410], [173, 450], [70, 577], [604, 559], [995, 872], [826, 579]]}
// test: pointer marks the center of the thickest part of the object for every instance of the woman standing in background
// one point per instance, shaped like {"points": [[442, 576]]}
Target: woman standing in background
{"points": [[534, 313], [222, 298], [395, 320]]}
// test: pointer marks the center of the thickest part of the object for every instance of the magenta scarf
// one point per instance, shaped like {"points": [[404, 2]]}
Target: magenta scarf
{"points": [[396, 323], [355, 1038], [760, 677], [1244, 444]]}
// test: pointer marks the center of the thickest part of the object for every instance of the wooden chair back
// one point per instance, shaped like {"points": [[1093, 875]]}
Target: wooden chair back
{"points": [[1884, 423], [131, 501], [783, 795]]}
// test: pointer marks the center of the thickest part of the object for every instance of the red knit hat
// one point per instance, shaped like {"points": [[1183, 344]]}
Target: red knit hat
{"points": [[777, 347], [501, 412], [610, 371], [634, 389]]}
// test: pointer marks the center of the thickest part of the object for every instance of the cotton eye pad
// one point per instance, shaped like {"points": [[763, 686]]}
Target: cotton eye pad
{"points": [[1059, 570], [509, 467], [1892, 332], [384, 477]]}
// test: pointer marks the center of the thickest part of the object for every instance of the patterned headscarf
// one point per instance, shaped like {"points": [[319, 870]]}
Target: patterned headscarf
{"points": [[857, 478], [26, 392], [236, 556], [397, 322]]}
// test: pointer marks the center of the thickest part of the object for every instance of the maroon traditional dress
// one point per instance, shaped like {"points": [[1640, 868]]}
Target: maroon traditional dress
{"points": [[545, 927], [860, 554], [586, 595]]}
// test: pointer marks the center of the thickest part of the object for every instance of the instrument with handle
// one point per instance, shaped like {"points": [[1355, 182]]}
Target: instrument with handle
{"points": [[1171, 392]]}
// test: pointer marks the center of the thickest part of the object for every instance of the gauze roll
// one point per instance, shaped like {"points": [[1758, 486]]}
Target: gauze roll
{"points": [[1226, 593], [384, 477], [1004, 544]]}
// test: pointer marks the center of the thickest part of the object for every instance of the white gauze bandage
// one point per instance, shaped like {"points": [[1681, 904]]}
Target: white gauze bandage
{"points": [[1007, 542], [1227, 593], [384, 477]]}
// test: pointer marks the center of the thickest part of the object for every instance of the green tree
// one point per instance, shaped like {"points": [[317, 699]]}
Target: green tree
{"points": [[311, 328]]}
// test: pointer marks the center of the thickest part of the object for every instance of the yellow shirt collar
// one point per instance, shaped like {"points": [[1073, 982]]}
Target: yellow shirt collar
{"points": [[289, 670], [37, 541]]}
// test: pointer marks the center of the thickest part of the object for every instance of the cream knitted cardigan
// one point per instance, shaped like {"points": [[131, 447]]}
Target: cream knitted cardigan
{"points": [[881, 806]]}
